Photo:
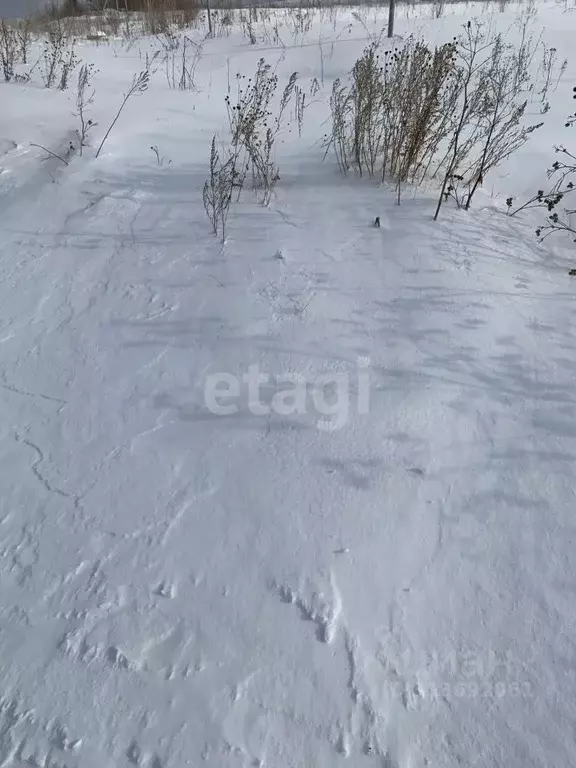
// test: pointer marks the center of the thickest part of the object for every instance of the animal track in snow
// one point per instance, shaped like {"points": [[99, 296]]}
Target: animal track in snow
{"points": [[165, 589], [383, 700], [136, 756], [324, 612], [27, 740], [151, 646]]}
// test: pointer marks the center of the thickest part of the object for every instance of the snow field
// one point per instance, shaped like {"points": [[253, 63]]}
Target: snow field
{"points": [[180, 588]]}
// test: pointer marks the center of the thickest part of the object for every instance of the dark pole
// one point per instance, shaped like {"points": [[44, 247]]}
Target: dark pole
{"points": [[391, 9], [209, 18]]}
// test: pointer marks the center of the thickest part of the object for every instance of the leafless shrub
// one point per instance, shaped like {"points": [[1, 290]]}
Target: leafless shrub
{"points": [[528, 46], [269, 27], [67, 155], [489, 122], [252, 136], [299, 107], [139, 85], [299, 21], [374, 37], [24, 35], [58, 57], [26, 77], [168, 38], [225, 23], [550, 72], [321, 61], [247, 26], [472, 55], [181, 65], [563, 172], [67, 66], [149, 61], [265, 172], [339, 138], [503, 130], [110, 23], [437, 8], [8, 49], [84, 99], [253, 132], [218, 189]]}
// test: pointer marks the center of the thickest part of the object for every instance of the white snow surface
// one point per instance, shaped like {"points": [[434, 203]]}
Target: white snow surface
{"points": [[179, 588]]}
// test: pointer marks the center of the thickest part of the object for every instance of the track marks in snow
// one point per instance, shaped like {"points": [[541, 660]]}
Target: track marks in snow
{"points": [[382, 700], [324, 611], [366, 729], [165, 656], [132, 634], [165, 589], [240, 690], [28, 740], [23, 554], [288, 299], [386, 715], [26, 393], [365, 732], [139, 757], [178, 507], [367, 722], [39, 474]]}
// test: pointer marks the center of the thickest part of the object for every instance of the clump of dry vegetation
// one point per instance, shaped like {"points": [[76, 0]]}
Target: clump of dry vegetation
{"points": [[450, 113], [249, 155]]}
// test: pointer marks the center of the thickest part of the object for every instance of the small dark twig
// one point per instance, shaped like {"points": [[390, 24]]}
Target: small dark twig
{"points": [[49, 152]]}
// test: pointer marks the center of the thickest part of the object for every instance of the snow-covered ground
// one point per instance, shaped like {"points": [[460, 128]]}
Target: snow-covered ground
{"points": [[390, 583]]}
